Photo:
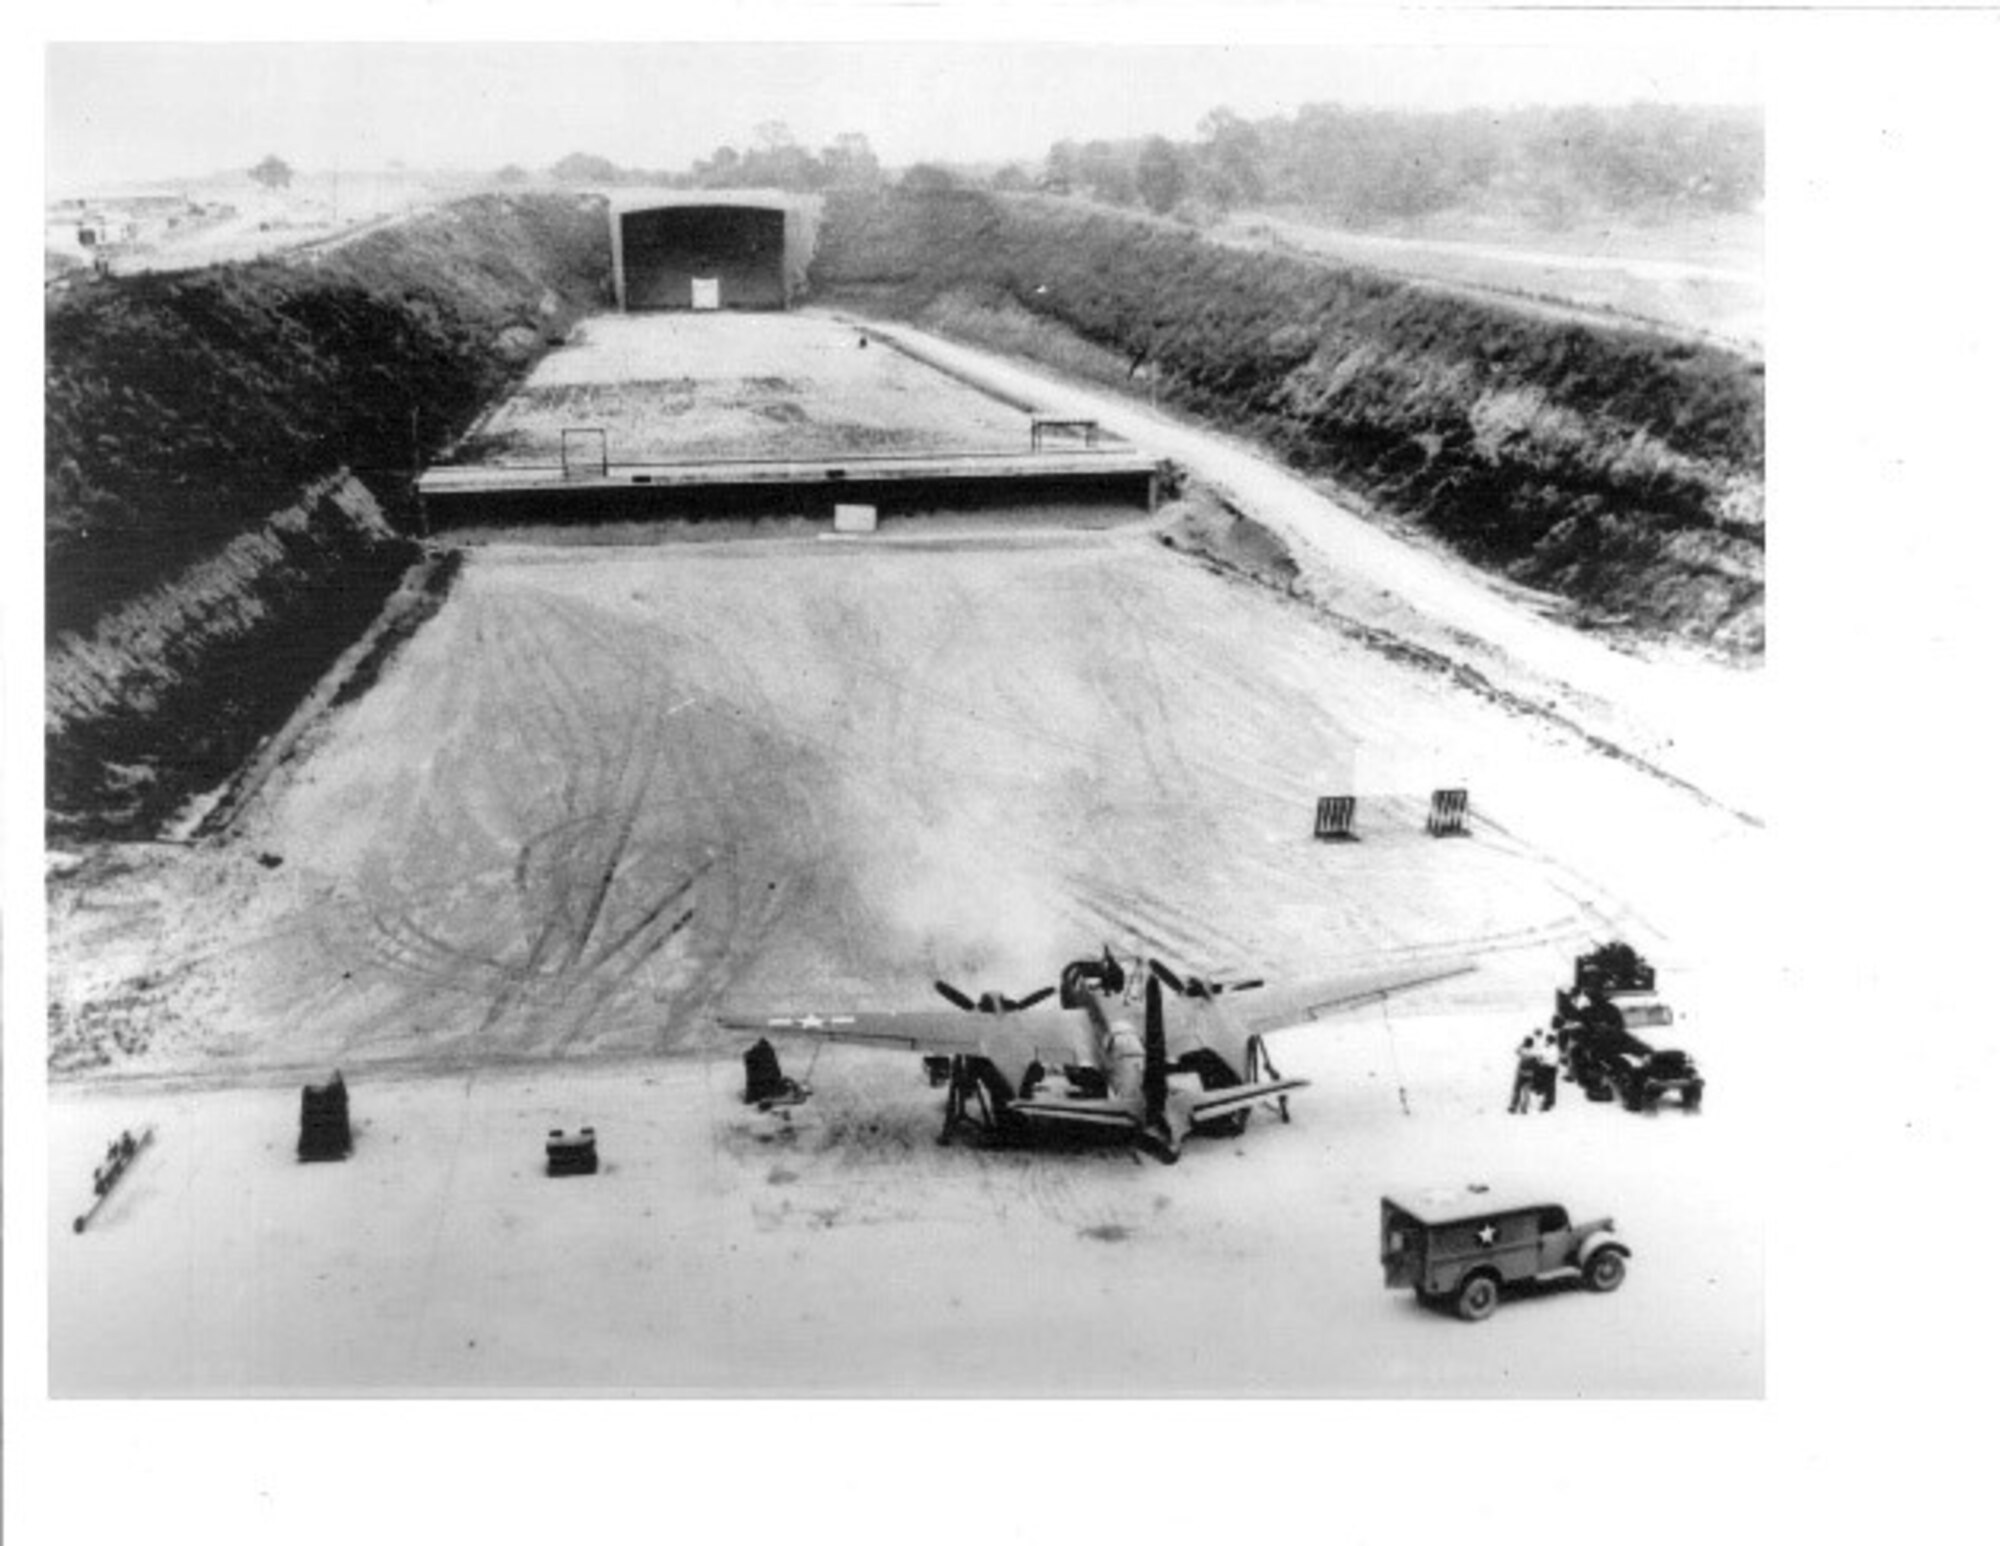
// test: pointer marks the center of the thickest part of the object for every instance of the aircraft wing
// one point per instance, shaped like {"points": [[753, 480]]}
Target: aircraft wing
{"points": [[1273, 1008], [1009, 1039], [1225, 1025]]}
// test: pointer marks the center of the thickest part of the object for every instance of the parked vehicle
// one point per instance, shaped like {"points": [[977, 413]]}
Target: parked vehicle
{"points": [[1613, 968], [1608, 1062], [1459, 1249], [1597, 1021]]}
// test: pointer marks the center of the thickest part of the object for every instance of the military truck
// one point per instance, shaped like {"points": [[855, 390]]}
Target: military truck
{"points": [[1459, 1248], [1597, 1022]]}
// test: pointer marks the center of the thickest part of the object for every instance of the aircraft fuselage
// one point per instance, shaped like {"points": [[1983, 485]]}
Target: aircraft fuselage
{"points": [[1121, 1052]]}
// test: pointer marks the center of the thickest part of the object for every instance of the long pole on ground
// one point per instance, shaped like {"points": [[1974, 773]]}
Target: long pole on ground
{"points": [[1395, 1059]]}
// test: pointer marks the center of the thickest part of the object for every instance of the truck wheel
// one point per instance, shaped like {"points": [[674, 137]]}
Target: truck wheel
{"points": [[1605, 1270], [1478, 1297]]}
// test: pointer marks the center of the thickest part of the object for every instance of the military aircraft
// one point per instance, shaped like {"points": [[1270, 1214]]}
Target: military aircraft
{"points": [[1108, 1057]]}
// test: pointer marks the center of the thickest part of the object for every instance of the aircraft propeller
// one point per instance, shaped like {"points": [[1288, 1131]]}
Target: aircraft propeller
{"points": [[990, 1003], [1158, 1131]]}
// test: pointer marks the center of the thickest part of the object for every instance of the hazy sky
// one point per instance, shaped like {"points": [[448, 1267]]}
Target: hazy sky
{"points": [[148, 110]]}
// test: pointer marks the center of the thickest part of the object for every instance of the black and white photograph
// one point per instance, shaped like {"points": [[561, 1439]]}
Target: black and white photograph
{"points": [[910, 714]]}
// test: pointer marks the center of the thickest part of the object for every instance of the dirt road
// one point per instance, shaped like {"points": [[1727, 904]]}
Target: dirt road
{"points": [[1622, 281]]}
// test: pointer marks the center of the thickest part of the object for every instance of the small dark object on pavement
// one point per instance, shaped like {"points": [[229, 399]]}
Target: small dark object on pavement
{"points": [[762, 1077], [324, 1132], [118, 1158], [575, 1156], [764, 1083]]}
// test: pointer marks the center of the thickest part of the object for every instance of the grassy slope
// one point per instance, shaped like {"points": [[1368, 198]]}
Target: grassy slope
{"points": [[182, 409], [228, 455], [1623, 472]]}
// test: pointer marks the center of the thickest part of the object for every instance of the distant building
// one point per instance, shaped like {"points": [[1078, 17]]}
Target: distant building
{"points": [[711, 251]]}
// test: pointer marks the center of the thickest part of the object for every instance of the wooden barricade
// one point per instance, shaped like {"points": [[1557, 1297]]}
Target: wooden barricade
{"points": [[1448, 811], [1334, 821]]}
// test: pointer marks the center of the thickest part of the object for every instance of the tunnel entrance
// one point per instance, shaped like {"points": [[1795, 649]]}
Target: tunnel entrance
{"points": [[702, 257]]}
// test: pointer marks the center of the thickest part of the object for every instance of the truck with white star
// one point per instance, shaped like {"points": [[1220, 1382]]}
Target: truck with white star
{"points": [[1460, 1248]]}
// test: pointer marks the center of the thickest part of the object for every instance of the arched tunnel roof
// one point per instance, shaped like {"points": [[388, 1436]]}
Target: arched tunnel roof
{"points": [[752, 246]]}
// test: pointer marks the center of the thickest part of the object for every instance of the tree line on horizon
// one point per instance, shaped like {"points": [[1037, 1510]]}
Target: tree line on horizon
{"points": [[1361, 166], [1370, 166]]}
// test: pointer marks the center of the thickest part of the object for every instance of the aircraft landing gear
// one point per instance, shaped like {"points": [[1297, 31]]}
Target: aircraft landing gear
{"points": [[1260, 1068], [966, 1090], [1159, 1138]]}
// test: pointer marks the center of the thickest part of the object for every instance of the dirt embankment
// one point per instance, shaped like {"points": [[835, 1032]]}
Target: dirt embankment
{"points": [[1202, 523], [1621, 471], [229, 476], [168, 691]]}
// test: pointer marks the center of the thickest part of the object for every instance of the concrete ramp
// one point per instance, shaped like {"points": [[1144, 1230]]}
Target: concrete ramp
{"points": [[731, 414]]}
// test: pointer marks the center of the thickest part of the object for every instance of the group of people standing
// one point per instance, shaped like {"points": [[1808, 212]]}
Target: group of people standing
{"points": [[1537, 1066]]}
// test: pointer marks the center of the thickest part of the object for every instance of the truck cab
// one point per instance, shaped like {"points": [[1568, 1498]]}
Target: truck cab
{"points": [[1604, 1051], [1461, 1247]]}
